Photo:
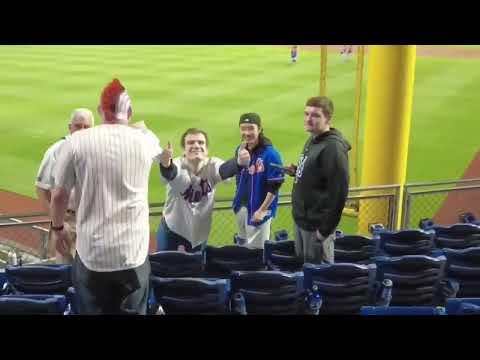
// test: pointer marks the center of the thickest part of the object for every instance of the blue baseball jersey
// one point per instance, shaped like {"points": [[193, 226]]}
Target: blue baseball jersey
{"points": [[255, 178]]}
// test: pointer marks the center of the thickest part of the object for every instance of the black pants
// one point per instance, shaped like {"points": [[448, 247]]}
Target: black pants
{"points": [[123, 292]]}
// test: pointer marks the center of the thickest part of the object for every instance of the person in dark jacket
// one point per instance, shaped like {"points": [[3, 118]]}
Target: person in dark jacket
{"points": [[320, 187]]}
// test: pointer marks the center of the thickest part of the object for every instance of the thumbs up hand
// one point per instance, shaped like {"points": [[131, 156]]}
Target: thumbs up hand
{"points": [[166, 156], [243, 156]]}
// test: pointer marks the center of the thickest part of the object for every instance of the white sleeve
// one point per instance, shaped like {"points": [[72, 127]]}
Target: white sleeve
{"points": [[44, 175], [64, 170], [182, 181], [153, 144]]}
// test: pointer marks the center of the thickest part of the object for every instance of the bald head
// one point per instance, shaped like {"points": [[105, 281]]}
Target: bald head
{"points": [[80, 119]]}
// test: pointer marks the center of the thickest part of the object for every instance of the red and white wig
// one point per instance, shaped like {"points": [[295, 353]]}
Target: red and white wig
{"points": [[115, 103]]}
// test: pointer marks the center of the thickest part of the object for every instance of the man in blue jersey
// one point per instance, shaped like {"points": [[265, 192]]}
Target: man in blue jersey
{"points": [[256, 197]]}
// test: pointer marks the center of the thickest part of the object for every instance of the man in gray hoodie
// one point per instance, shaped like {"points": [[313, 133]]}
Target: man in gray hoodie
{"points": [[321, 184]]}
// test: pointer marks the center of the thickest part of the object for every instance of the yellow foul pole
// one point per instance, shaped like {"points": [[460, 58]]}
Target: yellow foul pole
{"points": [[323, 70], [391, 71]]}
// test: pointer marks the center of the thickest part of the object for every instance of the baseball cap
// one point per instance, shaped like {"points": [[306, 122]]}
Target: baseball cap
{"points": [[250, 118]]}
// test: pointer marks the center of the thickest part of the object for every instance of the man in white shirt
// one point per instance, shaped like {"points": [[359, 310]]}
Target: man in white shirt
{"points": [[79, 120], [109, 166], [191, 181]]}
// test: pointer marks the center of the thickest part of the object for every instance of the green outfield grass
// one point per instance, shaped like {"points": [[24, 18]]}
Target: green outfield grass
{"points": [[176, 87]]}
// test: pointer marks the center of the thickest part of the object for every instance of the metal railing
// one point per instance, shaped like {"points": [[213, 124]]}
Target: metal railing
{"points": [[444, 202]]}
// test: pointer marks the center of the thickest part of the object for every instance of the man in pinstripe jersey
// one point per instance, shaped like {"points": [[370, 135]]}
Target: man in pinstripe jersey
{"points": [[109, 167]]}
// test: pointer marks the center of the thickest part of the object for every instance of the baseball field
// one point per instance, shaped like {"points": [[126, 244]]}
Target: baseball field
{"points": [[177, 87]]}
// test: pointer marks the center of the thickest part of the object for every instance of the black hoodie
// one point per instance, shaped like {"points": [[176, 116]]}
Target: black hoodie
{"points": [[321, 183]]}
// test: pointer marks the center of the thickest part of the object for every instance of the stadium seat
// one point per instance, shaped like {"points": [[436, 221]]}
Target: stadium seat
{"points": [[354, 248], [457, 236], [402, 310], [33, 305], [194, 296], [222, 261], [38, 279], [463, 306], [177, 264], [463, 266], [344, 287], [280, 256], [404, 242], [469, 218], [417, 279], [268, 293]]}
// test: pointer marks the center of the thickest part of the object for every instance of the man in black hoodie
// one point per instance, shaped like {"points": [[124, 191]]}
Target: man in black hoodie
{"points": [[321, 184]]}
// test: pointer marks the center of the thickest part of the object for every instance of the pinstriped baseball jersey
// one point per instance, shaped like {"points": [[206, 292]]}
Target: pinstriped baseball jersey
{"points": [[109, 167]]}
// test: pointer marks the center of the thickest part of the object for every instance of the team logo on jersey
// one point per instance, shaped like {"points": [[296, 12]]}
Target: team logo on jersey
{"points": [[300, 167], [195, 195], [258, 167]]}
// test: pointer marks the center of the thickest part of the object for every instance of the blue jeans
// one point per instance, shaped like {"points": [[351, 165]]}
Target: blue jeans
{"points": [[123, 292], [168, 240]]}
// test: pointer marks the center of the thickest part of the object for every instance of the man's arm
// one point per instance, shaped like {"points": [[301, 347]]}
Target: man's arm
{"points": [[275, 179], [64, 175], [44, 196], [336, 168], [229, 168], [59, 205]]}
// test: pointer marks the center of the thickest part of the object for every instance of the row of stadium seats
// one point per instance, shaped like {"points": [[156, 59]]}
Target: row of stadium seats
{"points": [[418, 280], [325, 289]]}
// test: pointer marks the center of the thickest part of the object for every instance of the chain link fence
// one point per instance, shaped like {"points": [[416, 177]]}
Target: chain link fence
{"points": [[443, 202], [365, 206]]}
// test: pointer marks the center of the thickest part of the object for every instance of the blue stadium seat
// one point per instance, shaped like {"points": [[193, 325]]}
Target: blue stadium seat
{"points": [[222, 261], [402, 310], [417, 279], [177, 264], [344, 287], [404, 242], [463, 306], [195, 296], [463, 266], [33, 305], [39, 279], [174, 264], [280, 256], [457, 236], [469, 218], [268, 292], [354, 248]]}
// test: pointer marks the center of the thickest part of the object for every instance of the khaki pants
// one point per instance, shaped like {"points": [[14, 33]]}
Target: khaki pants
{"points": [[313, 250], [71, 229], [254, 235]]}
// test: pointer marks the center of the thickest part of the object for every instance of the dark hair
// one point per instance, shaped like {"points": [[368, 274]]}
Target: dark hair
{"points": [[193, 131], [323, 103]]}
